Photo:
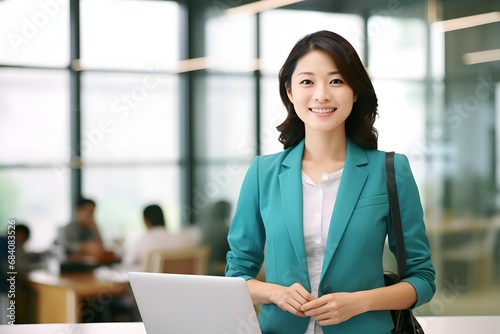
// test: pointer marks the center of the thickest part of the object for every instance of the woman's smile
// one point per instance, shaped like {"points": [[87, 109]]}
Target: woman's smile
{"points": [[323, 110]]}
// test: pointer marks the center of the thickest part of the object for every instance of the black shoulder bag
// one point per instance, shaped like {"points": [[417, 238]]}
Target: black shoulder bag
{"points": [[404, 320]]}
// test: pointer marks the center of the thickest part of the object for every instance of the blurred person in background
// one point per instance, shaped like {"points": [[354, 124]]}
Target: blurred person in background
{"points": [[81, 238], [156, 236], [24, 259]]}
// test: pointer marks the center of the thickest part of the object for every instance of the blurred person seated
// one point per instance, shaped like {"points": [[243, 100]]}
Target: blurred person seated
{"points": [[214, 229], [81, 239], [156, 236], [17, 262], [25, 261]]}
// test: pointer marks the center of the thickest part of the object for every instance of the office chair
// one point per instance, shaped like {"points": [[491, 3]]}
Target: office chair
{"points": [[189, 260]]}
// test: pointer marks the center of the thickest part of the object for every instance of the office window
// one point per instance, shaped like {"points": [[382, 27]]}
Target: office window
{"points": [[273, 114], [123, 192], [277, 43], [224, 114], [130, 34], [130, 117], [34, 133], [398, 66], [129, 112], [37, 197], [33, 128], [131, 125], [231, 43], [224, 129], [398, 47], [401, 122], [34, 33], [216, 181]]}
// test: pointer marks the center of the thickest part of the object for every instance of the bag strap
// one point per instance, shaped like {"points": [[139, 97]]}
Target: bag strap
{"points": [[392, 192]]}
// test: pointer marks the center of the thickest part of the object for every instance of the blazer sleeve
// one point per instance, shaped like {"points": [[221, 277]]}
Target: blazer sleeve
{"points": [[246, 235], [420, 271]]}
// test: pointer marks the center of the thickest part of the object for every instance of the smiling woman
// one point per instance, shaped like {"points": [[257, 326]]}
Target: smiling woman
{"points": [[321, 98], [305, 209], [343, 65]]}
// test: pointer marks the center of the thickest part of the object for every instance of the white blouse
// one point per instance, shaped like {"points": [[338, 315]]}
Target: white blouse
{"points": [[319, 200]]}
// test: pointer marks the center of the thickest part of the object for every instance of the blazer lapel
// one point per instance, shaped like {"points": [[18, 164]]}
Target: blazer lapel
{"points": [[350, 188], [291, 193]]}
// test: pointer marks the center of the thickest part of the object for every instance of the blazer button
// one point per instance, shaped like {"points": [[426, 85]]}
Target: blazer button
{"points": [[327, 289]]}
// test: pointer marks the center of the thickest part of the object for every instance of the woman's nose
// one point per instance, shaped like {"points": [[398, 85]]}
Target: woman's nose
{"points": [[321, 94]]}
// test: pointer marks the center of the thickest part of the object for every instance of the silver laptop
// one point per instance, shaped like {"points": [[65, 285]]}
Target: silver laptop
{"points": [[178, 304]]}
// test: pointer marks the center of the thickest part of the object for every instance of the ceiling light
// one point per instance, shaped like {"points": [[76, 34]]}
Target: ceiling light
{"points": [[468, 21], [259, 6], [481, 56]]}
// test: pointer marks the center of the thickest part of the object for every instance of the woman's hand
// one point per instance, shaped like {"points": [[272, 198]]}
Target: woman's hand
{"points": [[334, 308], [292, 298]]}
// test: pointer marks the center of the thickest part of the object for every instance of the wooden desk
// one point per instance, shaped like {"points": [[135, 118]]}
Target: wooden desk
{"points": [[431, 325], [59, 297]]}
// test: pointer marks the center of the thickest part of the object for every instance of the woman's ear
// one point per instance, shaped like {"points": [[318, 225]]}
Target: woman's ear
{"points": [[289, 91], [355, 97]]}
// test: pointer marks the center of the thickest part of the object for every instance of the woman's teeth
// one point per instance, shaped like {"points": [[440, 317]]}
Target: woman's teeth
{"points": [[323, 111]]}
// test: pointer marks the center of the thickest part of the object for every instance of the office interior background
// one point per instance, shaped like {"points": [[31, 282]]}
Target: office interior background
{"points": [[133, 102]]}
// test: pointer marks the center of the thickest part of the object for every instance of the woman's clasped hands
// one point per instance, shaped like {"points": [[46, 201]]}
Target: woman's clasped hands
{"points": [[329, 309]]}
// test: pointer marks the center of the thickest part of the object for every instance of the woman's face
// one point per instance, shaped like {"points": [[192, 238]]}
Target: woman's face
{"points": [[320, 96]]}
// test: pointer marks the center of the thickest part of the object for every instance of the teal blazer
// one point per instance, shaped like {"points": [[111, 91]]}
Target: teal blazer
{"points": [[267, 224]]}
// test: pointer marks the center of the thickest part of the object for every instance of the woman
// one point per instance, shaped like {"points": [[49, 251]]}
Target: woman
{"points": [[318, 211]]}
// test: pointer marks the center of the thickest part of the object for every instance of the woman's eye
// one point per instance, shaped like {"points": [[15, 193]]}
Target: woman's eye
{"points": [[306, 82], [336, 81]]}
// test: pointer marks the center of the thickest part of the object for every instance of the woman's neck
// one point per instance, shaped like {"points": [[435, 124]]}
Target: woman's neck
{"points": [[325, 148], [323, 154]]}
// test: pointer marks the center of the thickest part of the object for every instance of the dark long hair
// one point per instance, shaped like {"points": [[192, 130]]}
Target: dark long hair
{"points": [[359, 124]]}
